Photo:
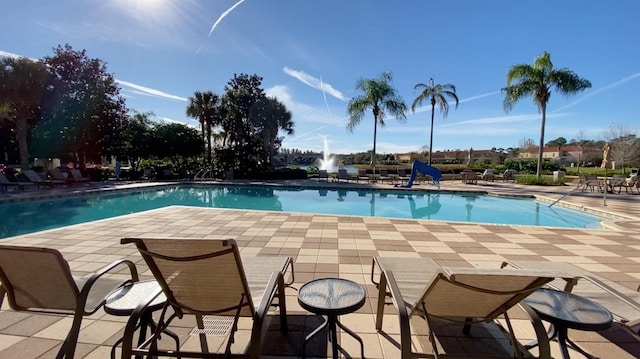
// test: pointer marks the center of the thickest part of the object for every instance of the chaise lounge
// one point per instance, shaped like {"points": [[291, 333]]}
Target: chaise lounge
{"points": [[207, 277], [39, 280], [420, 287], [622, 302]]}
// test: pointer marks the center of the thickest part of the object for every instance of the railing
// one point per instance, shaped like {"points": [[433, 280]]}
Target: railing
{"points": [[202, 174]]}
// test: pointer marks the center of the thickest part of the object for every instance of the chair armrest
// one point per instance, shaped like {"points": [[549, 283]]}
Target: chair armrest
{"points": [[542, 337], [275, 281], [86, 288], [604, 286], [401, 308], [267, 296]]}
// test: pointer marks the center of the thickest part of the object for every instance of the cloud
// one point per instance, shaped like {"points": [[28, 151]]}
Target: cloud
{"points": [[303, 112], [147, 91], [314, 83], [600, 90], [468, 99], [223, 15], [497, 120]]}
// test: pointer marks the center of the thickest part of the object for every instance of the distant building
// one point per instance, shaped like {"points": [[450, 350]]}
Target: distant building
{"points": [[565, 155]]}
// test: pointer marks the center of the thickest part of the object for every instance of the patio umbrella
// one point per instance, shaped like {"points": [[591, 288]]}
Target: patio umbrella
{"points": [[605, 156]]}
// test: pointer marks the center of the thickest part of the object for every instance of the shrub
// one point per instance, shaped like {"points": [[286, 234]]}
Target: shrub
{"points": [[535, 181], [281, 174]]}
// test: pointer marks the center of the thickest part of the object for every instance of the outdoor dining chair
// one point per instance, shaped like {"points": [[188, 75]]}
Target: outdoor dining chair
{"points": [[40, 280]]}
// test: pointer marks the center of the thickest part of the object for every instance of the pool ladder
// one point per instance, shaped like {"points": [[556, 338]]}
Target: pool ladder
{"points": [[202, 174]]}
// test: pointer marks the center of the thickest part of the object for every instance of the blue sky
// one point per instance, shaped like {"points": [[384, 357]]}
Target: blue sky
{"points": [[311, 53]]}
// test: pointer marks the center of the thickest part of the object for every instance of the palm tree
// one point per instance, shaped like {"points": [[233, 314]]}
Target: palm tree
{"points": [[381, 98], [269, 116], [204, 106], [437, 95], [537, 81]]}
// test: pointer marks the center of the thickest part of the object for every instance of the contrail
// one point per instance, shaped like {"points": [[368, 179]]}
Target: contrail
{"points": [[325, 96], [598, 91], [224, 14]]}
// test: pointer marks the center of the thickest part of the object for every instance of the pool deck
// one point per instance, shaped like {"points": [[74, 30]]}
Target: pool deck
{"points": [[329, 246]]}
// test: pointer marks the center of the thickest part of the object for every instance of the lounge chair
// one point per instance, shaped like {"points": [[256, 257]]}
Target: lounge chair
{"points": [[627, 183], [342, 175], [470, 177], [402, 174], [421, 287], [488, 175], [40, 280], [590, 182], [5, 183], [322, 174], [622, 302], [207, 277], [362, 175], [77, 176], [39, 181], [58, 175], [384, 176]]}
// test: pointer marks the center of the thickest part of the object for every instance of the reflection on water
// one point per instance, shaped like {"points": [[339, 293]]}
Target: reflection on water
{"points": [[26, 217], [431, 208]]}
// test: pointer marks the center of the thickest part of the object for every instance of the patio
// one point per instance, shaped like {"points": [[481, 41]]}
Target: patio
{"points": [[329, 246]]}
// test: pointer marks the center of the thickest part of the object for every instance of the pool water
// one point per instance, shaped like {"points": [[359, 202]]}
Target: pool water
{"points": [[26, 217]]}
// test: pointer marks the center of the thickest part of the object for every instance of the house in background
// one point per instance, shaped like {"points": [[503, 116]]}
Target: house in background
{"points": [[568, 156]]}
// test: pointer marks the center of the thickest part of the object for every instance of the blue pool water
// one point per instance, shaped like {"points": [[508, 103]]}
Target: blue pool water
{"points": [[26, 217]]}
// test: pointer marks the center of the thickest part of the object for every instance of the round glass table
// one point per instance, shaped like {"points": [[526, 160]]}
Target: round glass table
{"points": [[124, 300], [331, 297], [564, 311]]}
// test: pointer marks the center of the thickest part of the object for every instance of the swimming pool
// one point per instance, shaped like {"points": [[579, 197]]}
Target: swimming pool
{"points": [[26, 217]]}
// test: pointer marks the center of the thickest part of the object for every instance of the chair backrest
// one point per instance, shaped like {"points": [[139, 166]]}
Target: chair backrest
{"points": [[342, 174], [37, 279], [384, 173], [402, 172], [362, 173], [323, 174], [77, 175], [198, 276], [478, 293], [4, 179], [57, 174], [33, 176]]}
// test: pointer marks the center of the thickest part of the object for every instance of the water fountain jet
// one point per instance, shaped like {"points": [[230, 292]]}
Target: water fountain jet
{"points": [[327, 162]]}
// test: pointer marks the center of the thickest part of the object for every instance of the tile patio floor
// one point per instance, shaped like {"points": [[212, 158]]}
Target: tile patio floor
{"points": [[328, 245]]}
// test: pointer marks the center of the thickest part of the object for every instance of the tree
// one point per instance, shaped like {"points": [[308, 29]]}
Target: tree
{"points": [[558, 142], [204, 107], [238, 152], [269, 116], [23, 85], [133, 138], [526, 143], [83, 110], [175, 140], [625, 145], [437, 95], [380, 96], [537, 81]]}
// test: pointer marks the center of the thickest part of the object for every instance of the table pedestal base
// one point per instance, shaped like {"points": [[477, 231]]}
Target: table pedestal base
{"points": [[560, 334], [332, 323]]}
